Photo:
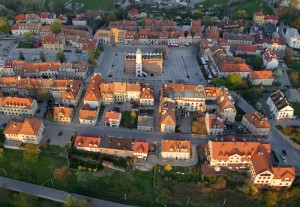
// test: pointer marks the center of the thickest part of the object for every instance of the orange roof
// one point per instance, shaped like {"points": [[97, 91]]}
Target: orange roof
{"points": [[147, 92], [261, 160], [213, 91], [269, 54], [112, 115], [62, 111], [284, 172], [222, 150], [224, 101], [233, 67], [175, 145], [87, 114], [88, 142], [119, 87], [20, 17], [213, 123], [134, 87], [168, 115], [246, 48], [133, 12], [29, 126], [93, 90], [257, 119], [107, 90], [140, 147], [15, 102], [261, 74]]}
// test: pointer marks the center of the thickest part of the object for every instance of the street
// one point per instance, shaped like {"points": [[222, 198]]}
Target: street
{"points": [[51, 194]]}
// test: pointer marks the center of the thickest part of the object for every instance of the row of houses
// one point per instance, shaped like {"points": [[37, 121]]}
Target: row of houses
{"points": [[45, 69], [66, 92]]}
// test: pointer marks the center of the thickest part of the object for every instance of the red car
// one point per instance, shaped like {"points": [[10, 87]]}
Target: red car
{"points": [[37, 44]]}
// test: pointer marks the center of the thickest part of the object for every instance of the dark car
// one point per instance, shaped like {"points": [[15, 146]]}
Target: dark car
{"points": [[38, 111], [48, 141], [3, 125], [59, 133], [284, 153], [134, 106], [120, 103]]}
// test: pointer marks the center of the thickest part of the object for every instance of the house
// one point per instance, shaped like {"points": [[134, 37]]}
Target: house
{"points": [[120, 91], [20, 18], [62, 18], [254, 156], [246, 49], [214, 124], [168, 118], [15, 106], [113, 119], [87, 143], [279, 106], [277, 44], [234, 65], [225, 106], [54, 42], [238, 38], [256, 123], [133, 14], [145, 123], [63, 114], [103, 36], [270, 59], [175, 149], [260, 18], [147, 97], [231, 26], [45, 30], [21, 29], [140, 149], [29, 130], [212, 32], [88, 115], [92, 96], [32, 18], [79, 22], [261, 77], [133, 91], [47, 18], [117, 146], [292, 37]]}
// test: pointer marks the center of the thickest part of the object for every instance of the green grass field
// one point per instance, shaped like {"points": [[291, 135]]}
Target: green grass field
{"points": [[97, 4], [210, 3], [253, 6]]}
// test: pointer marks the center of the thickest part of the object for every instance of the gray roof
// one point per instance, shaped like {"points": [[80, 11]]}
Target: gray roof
{"points": [[111, 142], [146, 121], [279, 100]]}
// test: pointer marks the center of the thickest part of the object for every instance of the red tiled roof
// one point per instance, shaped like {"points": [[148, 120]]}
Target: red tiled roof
{"points": [[246, 48]]}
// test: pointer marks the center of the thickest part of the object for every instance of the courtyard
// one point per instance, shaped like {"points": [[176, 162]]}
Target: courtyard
{"points": [[180, 65]]}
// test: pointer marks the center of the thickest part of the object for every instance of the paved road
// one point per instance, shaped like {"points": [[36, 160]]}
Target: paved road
{"points": [[242, 103], [49, 193]]}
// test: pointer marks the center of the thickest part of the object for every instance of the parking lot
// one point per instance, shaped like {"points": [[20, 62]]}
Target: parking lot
{"points": [[180, 66]]}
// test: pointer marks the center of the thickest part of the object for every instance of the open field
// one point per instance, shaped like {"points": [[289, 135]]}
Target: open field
{"points": [[97, 4], [210, 3], [253, 6]]}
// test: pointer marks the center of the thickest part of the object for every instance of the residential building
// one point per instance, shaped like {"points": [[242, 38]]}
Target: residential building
{"points": [[238, 38], [88, 115], [231, 26], [256, 123], [113, 119], [47, 18], [63, 114], [261, 18], [92, 95], [214, 124], [62, 18], [277, 44], [140, 149], [226, 106], [168, 117], [279, 106], [262, 77], [20, 18], [45, 30], [270, 59], [175, 149], [21, 29], [254, 156], [133, 91], [103, 36], [212, 32], [292, 37], [54, 42], [145, 123], [147, 97], [246, 49], [87, 143], [133, 14], [107, 93], [117, 146], [79, 22], [30, 130], [46, 69], [15, 106], [143, 64], [234, 65], [120, 91], [152, 24]]}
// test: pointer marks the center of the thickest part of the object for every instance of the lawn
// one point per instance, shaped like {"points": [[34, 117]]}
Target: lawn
{"points": [[129, 120], [97, 4], [24, 44], [296, 107], [294, 84], [295, 65], [253, 6], [210, 3]]}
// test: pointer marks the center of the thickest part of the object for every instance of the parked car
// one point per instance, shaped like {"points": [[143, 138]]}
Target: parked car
{"points": [[59, 133], [120, 103], [284, 153], [37, 44], [38, 111], [48, 141]]}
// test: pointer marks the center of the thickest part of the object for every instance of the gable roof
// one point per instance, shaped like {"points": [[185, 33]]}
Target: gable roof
{"points": [[64, 111], [140, 147], [258, 120], [261, 74], [29, 126], [169, 145]]}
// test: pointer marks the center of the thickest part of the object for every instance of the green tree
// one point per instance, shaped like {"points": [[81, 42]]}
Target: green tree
{"points": [[240, 14], [271, 197], [27, 36], [94, 54], [60, 56], [56, 26], [277, 73], [42, 95], [111, 17], [51, 6], [253, 190], [234, 80], [61, 174], [71, 201], [296, 23], [4, 26], [258, 106], [132, 117], [1, 152], [31, 152], [24, 200], [294, 77], [42, 56]]}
